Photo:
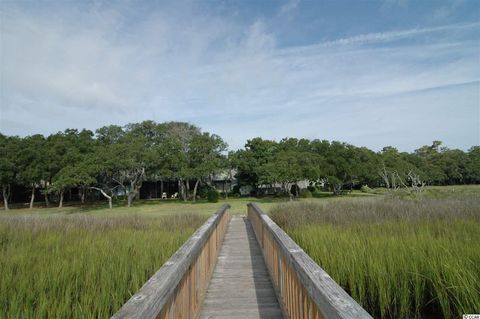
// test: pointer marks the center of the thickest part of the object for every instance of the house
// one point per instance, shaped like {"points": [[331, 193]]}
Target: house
{"points": [[224, 180]]}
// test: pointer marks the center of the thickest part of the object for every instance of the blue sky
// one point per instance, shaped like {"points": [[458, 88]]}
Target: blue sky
{"points": [[371, 73]]}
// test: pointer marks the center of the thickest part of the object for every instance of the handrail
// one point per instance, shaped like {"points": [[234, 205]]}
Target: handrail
{"points": [[303, 288], [178, 288]]}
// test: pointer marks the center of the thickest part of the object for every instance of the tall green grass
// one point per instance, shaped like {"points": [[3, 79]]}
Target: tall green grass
{"points": [[397, 258], [82, 266]]}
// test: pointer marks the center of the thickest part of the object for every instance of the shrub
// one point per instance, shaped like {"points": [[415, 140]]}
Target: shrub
{"points": [[280, 194], [365, 189], [212, 196], [306, 193], [236, 190], [312, 188], [202, 192]]}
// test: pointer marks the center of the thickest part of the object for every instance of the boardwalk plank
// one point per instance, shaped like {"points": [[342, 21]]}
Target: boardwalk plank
{"points": [[240, 286]]}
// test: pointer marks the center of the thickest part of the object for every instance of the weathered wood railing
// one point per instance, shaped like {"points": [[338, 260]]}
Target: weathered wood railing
{"points": [[303, 288], [178, 288]]}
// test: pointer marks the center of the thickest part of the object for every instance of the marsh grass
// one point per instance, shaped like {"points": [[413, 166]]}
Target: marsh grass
{"points": [[82, 266], [397, 258]]}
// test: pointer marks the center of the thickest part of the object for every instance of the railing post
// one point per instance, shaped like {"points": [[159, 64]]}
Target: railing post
{"points": [[280, 270]]}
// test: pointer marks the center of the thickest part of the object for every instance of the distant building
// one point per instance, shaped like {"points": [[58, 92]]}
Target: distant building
{"points": [[224, 180], [278, 188]]}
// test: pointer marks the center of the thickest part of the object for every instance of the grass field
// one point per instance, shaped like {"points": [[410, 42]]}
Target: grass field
{"points": [[85, 262], [396, 256], [399, 258]]}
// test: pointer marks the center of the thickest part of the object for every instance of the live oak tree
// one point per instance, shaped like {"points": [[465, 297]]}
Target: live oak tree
{"points": [[32, 163], [394, 168], [186, 154], [103, 165], [250, 162], [123, 159], [76, 175], [431, 162], [179, 136], [9, 149], [204, 158], [291, 162], [287, 162], [60, 151], [472, 169], [104, 161], [288, 168], [155, 152], [71, 151], [131, 167]]}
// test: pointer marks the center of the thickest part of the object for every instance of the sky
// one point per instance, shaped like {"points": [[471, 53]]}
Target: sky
{"points": [[370, 73]]}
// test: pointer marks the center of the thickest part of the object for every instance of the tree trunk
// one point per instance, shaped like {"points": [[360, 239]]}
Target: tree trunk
{"points": [[187, 188], [185, 192], [82, 196], [181, 189], [105, 195], [161, 188], [131, 195], [33, 197], [384, 175], [394, 182], [195, 190], [60, 204], [291, 196], [5, 196], [47, 203]]}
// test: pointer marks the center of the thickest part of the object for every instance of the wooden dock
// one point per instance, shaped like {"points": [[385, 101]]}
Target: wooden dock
{"points": [[240, 267], [240, 286]]}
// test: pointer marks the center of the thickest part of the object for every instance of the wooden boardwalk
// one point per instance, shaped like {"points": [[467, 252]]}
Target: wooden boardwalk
{"points": [[240, 286], [220, 272]]}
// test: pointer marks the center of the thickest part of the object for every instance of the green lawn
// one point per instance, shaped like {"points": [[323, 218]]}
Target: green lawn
{"points": [[151, 207]]}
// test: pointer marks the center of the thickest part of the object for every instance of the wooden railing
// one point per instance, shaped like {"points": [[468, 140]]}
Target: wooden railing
{"points": [[178, 288], [303, 288]]}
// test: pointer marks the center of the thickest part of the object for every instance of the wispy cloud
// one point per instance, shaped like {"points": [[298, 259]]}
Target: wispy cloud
{"points": [[289, 6], [381, 37]]}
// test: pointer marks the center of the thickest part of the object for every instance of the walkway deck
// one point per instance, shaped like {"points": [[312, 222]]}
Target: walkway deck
{"points": [[240, 286]]}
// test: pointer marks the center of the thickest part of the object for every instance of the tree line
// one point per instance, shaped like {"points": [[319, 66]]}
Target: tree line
{"points": [[121, 158], [337, 165], [112, 158]]}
